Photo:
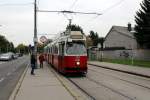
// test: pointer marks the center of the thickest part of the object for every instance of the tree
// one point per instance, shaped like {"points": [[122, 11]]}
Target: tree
{"points": [[11, 46], [89, 41], [21, 48], [142, 26], [94, 36], [75, 27], [96, 39], [3, 41], [5, 45], [101, 41]]}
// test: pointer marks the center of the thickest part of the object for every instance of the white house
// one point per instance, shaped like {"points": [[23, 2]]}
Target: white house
{"points": [[120, 36]]}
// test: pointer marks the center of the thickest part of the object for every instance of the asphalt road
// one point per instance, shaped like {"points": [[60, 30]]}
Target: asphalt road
{"points": [[10, 72]]}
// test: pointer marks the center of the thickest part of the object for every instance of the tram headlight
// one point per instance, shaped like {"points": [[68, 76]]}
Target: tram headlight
{"points": [[78, 63]]}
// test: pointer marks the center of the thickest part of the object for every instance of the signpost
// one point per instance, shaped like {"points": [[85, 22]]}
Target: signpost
{"points": [[43, 39]]}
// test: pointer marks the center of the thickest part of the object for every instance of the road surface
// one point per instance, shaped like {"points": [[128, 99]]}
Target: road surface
{"points": [[10, 72]]}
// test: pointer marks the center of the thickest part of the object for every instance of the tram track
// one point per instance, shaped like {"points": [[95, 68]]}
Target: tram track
{"points": [[63, 81], [79, 87], [113, 90], [76, 82], [128, 78], [100, 84], [131, 82], [123, 71]]}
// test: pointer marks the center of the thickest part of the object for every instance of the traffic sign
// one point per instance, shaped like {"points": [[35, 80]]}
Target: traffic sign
{"points": [[43, 39]]}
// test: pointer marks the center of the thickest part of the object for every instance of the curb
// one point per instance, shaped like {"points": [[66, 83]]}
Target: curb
{"points": [[18, 85], [124, 71]]}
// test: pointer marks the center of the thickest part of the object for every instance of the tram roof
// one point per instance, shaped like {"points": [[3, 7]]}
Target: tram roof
{"points": [[74, 35]]}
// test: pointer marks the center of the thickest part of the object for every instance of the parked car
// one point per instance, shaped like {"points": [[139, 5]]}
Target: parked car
{"points": [[15, 56], [6, 57], [19, 54], [11, 54]]}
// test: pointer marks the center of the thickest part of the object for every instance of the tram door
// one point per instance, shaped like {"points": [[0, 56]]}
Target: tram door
{"points": [[61, 55]]}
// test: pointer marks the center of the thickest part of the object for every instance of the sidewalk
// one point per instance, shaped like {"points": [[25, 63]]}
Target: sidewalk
{"points": [[124, 68], [42, 86]]}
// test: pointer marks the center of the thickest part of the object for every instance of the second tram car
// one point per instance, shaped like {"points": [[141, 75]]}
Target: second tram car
{"points": [[67, 53]]}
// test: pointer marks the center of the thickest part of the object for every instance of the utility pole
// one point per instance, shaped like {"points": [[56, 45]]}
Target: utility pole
{"points": [[0, 47], [70, 20], [35, 40]]}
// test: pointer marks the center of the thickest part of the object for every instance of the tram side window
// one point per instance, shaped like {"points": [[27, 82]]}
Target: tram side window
{"points": [[55, 50], [61, 49], [50, 50]]}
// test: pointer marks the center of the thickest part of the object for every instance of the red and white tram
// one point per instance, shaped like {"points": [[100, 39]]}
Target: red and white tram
{"points": [[67, 53]]}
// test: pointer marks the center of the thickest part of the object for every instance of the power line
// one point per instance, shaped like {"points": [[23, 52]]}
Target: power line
{"points": [[73, 4], [10, 4], [109, 8], [71, 12], [113, 6]]}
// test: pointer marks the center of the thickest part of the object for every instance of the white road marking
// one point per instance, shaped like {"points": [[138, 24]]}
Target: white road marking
{"points": [[2, 79]]}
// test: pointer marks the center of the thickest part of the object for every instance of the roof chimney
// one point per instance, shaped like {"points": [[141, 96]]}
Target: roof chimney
{"points": [[129, 27]]}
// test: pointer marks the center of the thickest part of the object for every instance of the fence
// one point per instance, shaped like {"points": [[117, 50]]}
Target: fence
{"points": [[119, 54]]}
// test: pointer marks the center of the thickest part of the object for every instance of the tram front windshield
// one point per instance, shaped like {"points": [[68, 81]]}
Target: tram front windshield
{"points": [[75, 48]]}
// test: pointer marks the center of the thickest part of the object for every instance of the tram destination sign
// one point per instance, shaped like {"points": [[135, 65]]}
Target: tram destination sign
{"points": [[76, 35]]}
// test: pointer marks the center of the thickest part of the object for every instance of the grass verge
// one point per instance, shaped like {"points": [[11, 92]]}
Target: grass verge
{"points": [[140, 63]]}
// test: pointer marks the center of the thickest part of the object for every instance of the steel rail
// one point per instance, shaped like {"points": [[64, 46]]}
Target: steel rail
{"points": [[123, 71], [113, 90], [92, 98], [123, 80]]}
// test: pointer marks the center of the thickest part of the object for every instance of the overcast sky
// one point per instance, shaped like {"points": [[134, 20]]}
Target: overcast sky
{"points": [[16, 17]]}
